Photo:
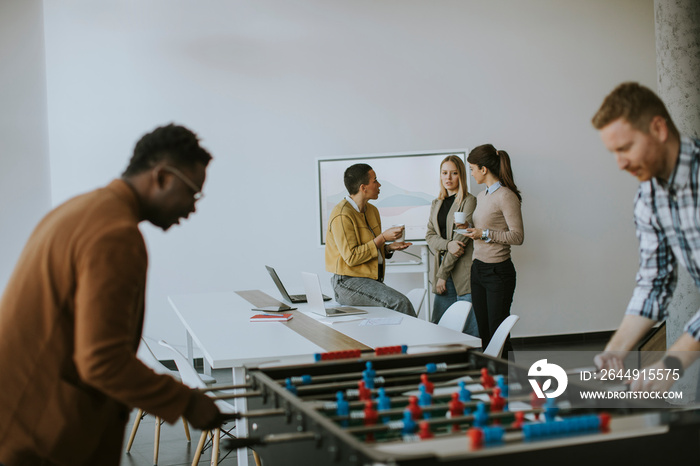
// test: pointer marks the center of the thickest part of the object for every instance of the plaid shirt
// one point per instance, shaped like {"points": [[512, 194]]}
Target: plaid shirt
{"points": [[667, 218]]}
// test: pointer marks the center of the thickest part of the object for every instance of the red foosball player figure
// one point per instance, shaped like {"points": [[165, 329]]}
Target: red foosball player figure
{"points": [[371, 418], [425, 432], [456, 409], [413, 408], [365, 393], [429, 386], [519, 420], [497, 401], [536, 403], [486, 380], [476, 438]]}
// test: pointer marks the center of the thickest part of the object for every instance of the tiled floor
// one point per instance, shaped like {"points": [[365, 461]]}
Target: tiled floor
{"points": [[175, 450]]}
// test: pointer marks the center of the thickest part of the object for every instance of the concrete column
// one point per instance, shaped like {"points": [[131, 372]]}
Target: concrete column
{"points": [[677, 25]]}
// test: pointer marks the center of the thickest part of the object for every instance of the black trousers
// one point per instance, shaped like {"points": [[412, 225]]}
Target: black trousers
{"points": [[493, 286]]}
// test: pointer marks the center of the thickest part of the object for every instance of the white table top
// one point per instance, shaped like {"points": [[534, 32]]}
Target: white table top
{"points": [[219, 325]]}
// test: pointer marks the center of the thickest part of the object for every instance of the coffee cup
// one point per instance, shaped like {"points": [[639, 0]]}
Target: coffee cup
{"points": [[460, 218], [401, 238]]}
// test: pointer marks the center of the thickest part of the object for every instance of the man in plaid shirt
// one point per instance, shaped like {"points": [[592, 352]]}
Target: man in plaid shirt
{"points": [[636, 127]]}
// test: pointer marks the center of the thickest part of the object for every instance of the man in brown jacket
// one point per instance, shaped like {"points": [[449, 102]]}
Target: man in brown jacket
{"points": [[72, 314]]}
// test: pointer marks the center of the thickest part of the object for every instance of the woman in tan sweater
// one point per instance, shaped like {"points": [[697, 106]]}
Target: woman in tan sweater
{"points": [[452, 252], [498, 224]]}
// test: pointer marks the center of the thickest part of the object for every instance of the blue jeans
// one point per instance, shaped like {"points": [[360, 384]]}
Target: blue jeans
{"points": [[357, 291], [443, 301]]}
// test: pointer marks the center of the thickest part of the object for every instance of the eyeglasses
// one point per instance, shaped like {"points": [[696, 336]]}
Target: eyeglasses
{"points": [[198, 194]]}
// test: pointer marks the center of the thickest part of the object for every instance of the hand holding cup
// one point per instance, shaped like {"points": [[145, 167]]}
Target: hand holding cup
{"points": [[395, 233], [401, 238]]}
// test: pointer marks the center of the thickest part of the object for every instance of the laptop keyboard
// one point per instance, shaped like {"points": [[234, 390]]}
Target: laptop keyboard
{"points": [[302, 298]]}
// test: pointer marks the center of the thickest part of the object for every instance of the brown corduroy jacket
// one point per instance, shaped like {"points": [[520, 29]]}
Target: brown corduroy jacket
{"points": [[70, 323]]}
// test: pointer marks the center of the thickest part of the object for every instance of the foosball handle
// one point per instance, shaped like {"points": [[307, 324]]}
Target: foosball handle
{"points": [[231, 417], [237, 442]]}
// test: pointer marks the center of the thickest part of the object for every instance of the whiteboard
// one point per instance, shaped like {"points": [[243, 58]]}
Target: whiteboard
{"points": [[410, 181]]}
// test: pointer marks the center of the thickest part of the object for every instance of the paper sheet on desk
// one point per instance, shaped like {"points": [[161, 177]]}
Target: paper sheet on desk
{"points": [[383, 321]]}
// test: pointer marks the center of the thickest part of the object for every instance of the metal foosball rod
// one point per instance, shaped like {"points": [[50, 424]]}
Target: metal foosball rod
{"points": [[495, 400], [379, 381], [254, 414], [447, 384], [433, 407], [577, 425], [391, 426], [230, 396], [224, 387], [497, 434], [330, 405], [352, 392], [247, 442], [434, 422], [440, 367], [442, 379]]}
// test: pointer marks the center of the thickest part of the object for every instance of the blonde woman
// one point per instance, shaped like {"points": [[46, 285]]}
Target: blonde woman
{"points": [[453, 253]]}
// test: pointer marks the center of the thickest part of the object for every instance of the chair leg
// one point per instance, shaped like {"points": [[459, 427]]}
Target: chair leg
{"points": [[200, 446], [156, 443], [187, 430], [137, 421], [257, 458], [215, 447]]}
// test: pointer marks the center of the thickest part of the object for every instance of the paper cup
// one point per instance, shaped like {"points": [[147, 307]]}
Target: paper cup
{"points": [[402, 238]]}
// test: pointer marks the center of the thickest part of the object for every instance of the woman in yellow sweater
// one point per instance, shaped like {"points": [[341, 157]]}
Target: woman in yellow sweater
{"points": [[357, 248]]}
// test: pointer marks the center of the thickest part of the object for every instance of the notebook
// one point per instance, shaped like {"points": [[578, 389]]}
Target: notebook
{"points": [[312, 286], [295, 298], [271, 318]]}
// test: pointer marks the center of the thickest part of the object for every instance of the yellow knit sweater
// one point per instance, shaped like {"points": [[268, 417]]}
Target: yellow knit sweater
{"points": [[350, 247]]}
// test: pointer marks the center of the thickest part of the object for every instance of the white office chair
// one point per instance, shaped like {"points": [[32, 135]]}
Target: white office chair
{"points": [[456, 315], [192, 378], [416, 296], [498, 340], [145, 354]]}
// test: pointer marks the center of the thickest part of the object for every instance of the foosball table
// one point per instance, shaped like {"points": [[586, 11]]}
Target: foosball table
{"points": [[451, 406]]}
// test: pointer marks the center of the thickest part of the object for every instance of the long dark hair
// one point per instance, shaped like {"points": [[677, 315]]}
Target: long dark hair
{"points": [[498, 163]]}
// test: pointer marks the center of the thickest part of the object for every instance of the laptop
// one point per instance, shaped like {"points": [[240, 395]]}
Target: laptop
{"points": [[312, 286], [295, 298]]}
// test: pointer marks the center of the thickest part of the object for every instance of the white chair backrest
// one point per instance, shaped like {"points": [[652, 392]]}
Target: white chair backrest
{"points": [[456, 315], [192, 378], [188, 374], [145, 354], [498, 340], [416, 296]]}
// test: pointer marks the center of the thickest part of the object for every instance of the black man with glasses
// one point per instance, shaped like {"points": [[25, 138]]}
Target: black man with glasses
{"points": [[72, 314]]}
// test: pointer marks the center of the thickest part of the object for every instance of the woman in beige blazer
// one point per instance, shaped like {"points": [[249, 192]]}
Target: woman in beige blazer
{"points": [[453, 252]]}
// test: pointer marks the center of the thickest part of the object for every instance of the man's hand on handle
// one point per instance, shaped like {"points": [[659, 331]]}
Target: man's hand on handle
{"points": [[202, 413]]}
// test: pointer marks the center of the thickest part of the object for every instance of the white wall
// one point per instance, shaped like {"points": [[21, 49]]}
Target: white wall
{"points": [[271, 85], [24, 163]]}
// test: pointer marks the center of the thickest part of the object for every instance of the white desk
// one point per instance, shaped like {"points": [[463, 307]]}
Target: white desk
{"points": [[218, 323]]}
